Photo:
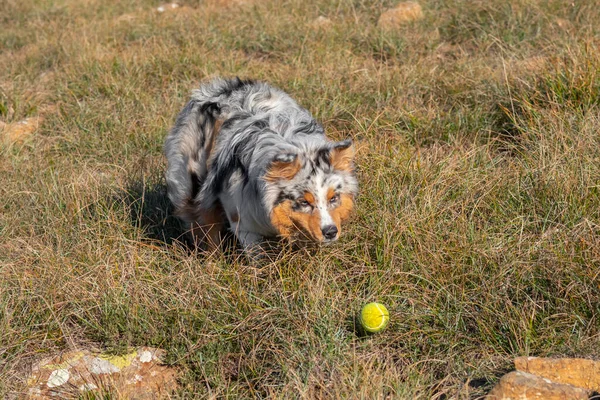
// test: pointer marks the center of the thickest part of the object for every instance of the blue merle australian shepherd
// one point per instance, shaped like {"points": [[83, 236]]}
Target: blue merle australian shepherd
{"points": [[246, 156]]}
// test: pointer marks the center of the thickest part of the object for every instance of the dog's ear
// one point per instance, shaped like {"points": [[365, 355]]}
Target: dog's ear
{"points": [[283, 166], [342, 156]]}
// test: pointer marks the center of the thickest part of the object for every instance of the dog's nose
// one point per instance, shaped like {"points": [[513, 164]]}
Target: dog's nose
{"points": [[329, 232]]}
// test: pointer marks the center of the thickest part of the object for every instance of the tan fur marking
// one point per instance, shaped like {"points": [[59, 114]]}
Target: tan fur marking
{"points": [[211, 144], [208, 227], [282, 171], [341, 213], [330, 193], [286, 220], [280, 218], [217, 127], [310, 198], [343, 159], [310, 224]]}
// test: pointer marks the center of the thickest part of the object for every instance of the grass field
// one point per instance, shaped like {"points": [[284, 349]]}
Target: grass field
{"points": [[478, 137]]}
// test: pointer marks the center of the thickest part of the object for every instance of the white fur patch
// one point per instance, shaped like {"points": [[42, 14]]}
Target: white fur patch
{"points": [[322, 202]]}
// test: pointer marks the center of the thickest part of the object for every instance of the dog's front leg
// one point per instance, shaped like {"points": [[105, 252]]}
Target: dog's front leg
{"points": [[249, 240], [251, 243]]}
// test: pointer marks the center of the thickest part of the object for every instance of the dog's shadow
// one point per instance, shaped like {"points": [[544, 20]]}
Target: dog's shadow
{"points": [[151, 211]]}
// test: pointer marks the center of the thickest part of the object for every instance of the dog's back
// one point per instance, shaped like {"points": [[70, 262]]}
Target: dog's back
{"points": [[191, 141]]}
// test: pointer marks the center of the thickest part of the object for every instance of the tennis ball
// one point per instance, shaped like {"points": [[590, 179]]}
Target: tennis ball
{"points": [[374, 317]]}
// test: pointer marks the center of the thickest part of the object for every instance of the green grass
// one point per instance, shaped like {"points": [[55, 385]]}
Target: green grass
{"points": [[477, 223]]}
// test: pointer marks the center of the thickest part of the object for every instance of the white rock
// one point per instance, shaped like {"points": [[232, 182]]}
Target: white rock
{"points": [[321, 22], [165, 7], [100, 366], [145, 356], [58, 377]]}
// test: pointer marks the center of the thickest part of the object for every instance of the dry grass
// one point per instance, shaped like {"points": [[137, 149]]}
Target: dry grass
{"points": [[477, 223]]}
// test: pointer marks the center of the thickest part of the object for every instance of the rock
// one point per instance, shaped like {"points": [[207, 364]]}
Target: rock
{"points": [[145, 356], [523, 386], [58, 377], [19, 131], [137, 375], [574, 371], [321, 22], [563, 23], [167, 7], [404, 12], [99, 366]]}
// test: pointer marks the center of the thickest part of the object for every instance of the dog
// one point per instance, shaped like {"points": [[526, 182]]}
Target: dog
{"points": [[244, 155]]}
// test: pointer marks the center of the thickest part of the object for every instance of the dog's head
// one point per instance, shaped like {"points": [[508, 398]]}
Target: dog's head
{"points": [[310, 193]]}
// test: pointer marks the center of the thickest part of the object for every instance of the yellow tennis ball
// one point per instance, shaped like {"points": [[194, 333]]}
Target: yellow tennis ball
{"points": [[374, 317]]}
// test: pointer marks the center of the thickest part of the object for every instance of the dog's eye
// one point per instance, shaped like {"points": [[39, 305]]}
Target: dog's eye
{"points": [[334, 199], [303, 203]]}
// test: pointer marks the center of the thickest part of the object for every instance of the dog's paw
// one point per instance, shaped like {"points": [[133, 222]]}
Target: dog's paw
{"points": [[256, 254]]}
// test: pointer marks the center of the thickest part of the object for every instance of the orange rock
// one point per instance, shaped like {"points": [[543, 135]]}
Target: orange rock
{"points": [[575, 371], [404, 12], [519, 385], [137, 375], [18, 131], [563, 23]]}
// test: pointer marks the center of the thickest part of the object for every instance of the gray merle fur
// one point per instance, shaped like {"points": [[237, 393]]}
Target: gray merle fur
{"points": [[225, 167]]}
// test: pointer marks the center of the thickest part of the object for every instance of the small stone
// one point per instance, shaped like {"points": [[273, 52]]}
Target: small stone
{"points": [[145, 356], [574, 371], [58, 377], [563, 23], [321, 22], [404, 12], [167, 7], [523, 386]]}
